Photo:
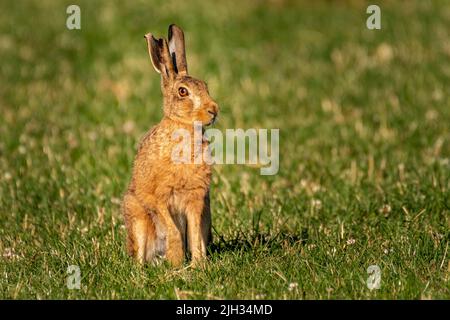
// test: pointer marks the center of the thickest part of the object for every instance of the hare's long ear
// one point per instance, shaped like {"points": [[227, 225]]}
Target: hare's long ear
{"points": [[160, 56], [177, 49]]}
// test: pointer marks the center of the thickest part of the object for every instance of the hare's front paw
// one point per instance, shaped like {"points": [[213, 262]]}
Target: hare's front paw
{"points": [[198, 262], [175, 251]]}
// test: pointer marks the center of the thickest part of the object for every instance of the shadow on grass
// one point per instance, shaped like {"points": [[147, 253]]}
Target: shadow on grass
{"points": [[245, 241]]}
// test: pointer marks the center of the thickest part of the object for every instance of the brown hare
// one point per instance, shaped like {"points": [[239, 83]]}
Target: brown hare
{"points": [[166, 207]]}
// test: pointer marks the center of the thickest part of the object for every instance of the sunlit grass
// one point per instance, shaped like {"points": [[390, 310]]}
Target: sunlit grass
{"points": [[364, 147]]}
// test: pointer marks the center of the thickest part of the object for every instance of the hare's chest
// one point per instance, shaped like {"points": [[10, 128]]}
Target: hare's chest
{"points": [[190, 177], [188, 183]]}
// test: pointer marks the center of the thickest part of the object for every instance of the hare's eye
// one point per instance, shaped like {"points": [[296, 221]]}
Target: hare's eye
{"points": [[182, 91]]}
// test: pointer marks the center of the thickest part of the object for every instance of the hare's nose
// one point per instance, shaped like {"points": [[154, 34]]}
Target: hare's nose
{"points": [[213, 108]]}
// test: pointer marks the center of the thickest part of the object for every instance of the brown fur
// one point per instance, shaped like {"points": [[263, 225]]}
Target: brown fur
{"points": [[166, 207]]}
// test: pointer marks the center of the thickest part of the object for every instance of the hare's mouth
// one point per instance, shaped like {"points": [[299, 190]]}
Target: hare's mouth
{"points": [[213, 121]]}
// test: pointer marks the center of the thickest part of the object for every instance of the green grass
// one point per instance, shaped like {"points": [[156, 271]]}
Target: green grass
{"points": [[364, 122]]}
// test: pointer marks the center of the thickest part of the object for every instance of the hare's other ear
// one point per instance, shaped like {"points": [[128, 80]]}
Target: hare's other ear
{"points": [[154, 50], [177, 49], [160, 56]]}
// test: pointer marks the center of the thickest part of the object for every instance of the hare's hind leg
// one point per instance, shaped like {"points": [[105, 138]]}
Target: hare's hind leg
{"points": [[169, 237], [141, 232]]}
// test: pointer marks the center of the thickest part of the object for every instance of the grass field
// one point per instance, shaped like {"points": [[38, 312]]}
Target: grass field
{"points": [[364, 122]]}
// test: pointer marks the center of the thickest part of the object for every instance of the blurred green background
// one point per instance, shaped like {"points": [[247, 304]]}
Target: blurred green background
{"points": [[364, 147]]}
